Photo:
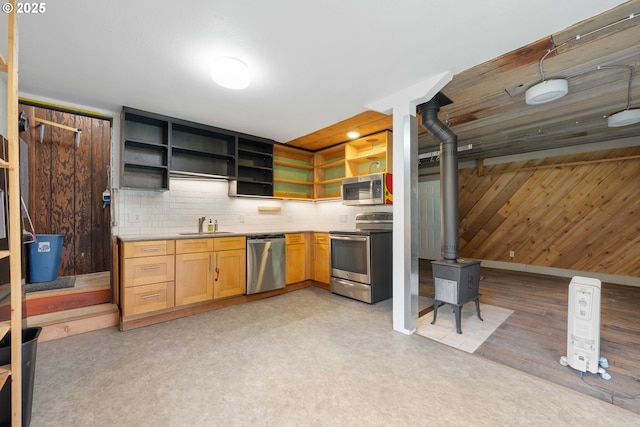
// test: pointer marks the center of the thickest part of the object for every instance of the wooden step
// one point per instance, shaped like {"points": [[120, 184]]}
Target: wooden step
{"points": [[75, 321]]}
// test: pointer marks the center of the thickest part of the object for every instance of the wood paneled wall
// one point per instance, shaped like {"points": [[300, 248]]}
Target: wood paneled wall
{"points": [[66, 184], [584, 216]]}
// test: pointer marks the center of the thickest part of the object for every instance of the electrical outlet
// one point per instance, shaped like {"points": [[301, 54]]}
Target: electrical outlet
{"points": [[241, 217], [289, 218], [343, 218], [512, 254], [134, 217]]}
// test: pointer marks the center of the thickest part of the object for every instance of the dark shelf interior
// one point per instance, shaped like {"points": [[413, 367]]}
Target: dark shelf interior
{"points": [[189, 163], [254, 188], [145, 151], [145, 129], [144, 154], [146, 177]]}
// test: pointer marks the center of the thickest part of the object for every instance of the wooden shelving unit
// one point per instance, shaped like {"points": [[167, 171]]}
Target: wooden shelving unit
{"points": [[370, 154], [145, 150], [200, 150], [255, 168], [329, 170], [14, 371], [292, 172]]}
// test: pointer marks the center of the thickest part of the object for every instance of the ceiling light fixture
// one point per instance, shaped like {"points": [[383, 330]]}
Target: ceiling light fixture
{"points": [[550, 90], [230, 72], [353, 134], [627, 116], [624, 118], [546, 91]]}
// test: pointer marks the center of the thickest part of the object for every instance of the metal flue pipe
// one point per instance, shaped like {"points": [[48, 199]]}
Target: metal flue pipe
{"points": [[448, 175]]}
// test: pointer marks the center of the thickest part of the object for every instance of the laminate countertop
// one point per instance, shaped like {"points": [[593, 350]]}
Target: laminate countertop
{"points": [[194, 235]]}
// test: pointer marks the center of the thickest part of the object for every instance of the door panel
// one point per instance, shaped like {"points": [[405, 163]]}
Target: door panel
{"points": [[66, 182]]}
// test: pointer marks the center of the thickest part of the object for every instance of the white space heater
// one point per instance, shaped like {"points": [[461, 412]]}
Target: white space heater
{"points": [[583, 327]]}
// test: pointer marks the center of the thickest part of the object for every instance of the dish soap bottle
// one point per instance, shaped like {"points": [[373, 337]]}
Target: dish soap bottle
{"points": [[210, 226]]}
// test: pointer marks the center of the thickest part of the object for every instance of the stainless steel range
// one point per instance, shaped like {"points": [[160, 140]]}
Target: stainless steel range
{"points": [[361, 259]]}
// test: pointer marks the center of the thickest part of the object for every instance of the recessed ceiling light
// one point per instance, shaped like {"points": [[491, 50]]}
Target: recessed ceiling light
{"points": [[353, 134], [230, 72]]}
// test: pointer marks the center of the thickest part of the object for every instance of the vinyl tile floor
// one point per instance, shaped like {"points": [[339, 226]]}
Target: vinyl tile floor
{"points": [[305, 358]]}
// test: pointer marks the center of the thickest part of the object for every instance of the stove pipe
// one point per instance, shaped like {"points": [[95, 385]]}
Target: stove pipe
{"points": [[448, 174]]}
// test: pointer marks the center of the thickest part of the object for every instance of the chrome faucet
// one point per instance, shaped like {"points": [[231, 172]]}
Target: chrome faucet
{"points": [[201, 224]]}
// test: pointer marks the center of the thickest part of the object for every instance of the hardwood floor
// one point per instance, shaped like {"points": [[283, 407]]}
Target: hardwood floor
{"points": [[534, 337]]}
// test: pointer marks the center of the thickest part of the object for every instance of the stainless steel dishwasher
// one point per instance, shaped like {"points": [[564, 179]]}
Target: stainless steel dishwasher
{"points": [[265, 263]]}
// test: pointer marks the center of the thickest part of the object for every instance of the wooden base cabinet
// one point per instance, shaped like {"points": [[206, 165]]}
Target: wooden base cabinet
{"points": [[194, 271], [147, 276], [295, 258], [194, 274], [321, 257], [210, 268], [230, 267]]}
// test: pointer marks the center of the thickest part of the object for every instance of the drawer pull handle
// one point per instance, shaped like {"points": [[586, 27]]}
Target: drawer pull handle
{"points": [[150, 249], [150, 296], [151, 267]]}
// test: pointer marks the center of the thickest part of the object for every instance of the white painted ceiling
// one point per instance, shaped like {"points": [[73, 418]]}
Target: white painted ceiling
{"points": [[313, 63]]}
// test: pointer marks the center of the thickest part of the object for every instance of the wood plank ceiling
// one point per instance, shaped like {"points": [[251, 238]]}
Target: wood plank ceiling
{"points": [[489, 110]]}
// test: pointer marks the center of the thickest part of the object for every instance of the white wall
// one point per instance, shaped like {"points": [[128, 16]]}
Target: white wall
{"points": [[178, 210]]}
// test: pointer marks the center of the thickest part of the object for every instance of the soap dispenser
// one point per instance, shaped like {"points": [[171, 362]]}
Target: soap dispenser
{"points": [[210, 226], [215, 226]]}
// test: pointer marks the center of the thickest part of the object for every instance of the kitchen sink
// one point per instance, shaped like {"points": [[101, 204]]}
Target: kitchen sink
{"points": [[203, 233]]}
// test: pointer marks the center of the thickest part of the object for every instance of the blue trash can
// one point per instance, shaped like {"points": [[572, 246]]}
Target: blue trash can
{"points": [[44, 257]]}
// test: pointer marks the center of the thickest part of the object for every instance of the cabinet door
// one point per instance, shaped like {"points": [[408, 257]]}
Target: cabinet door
{"points": [[229, 277], [194, 277], [321, 267], [295, 263]]}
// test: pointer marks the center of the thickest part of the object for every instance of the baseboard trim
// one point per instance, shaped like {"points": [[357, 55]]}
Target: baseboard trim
{"points": [[562, 272]]}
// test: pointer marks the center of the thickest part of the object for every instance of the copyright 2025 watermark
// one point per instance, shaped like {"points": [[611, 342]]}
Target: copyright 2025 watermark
{"points": [[26, 8]]}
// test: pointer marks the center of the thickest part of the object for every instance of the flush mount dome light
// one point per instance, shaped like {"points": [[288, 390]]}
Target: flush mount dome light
{"points": [[624, 118], [546, 91], [230, 72]]}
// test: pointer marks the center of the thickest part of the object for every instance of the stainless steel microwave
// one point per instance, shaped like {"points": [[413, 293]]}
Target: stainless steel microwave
{"points": [[372, 189]]}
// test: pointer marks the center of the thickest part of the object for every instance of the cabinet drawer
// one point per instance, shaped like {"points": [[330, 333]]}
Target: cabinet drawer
{"points": [[148, 248], [229, 243], [147, 298], [294, 238], [143, 271], [320, 238], [188, 246]]}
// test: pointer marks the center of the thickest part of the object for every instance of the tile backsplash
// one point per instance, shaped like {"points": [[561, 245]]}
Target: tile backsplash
{"points": [[177, 210]]}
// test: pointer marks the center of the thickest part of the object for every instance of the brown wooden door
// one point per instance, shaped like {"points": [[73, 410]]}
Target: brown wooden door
{"points": [[66, 183]]}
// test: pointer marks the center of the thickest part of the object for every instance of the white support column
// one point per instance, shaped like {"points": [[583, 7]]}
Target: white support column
{"points": [[405, 195], [405, 222]]}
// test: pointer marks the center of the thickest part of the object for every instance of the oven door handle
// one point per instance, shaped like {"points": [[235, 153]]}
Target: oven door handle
{"points": [[354, 239]]}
